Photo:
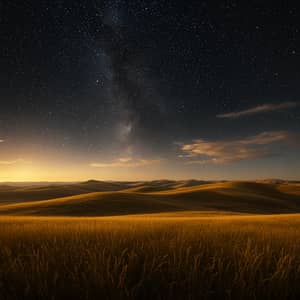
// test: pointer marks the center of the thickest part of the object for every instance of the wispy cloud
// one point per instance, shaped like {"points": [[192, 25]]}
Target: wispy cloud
{"points": [[15, 161], [126, 162], [226, 151], [264, 108], [1, 141]]}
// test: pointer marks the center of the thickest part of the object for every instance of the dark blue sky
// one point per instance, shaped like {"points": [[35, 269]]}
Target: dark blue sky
{"points": [[122, 89]]}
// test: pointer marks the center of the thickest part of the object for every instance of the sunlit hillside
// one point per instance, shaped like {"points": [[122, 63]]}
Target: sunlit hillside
{"points": [[94, 198]]}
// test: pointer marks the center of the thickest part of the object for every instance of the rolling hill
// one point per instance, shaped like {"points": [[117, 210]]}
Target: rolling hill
{"points": [[96, 198]]}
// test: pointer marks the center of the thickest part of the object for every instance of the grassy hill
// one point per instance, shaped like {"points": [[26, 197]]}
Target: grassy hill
{"points": [[95, 198], [150, 240]]}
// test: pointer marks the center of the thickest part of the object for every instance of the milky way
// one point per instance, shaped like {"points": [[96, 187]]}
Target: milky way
{"points": [[95, 84]]}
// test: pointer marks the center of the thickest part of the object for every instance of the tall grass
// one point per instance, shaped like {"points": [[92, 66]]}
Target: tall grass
{"points": [[150, 258]]}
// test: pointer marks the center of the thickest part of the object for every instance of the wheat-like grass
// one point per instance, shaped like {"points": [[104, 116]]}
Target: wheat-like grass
{"points": [[230, 257]]}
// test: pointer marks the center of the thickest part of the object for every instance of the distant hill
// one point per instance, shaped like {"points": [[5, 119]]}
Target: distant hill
{"points": [[97, 198], [276, 181], [17, 192]]}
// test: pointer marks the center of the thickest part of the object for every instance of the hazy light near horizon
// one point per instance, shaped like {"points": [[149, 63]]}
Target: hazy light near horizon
{"points": [[15, 161]]}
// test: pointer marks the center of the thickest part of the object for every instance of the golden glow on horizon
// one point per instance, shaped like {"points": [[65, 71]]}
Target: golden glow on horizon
{"points": [[43, 162], [67, 170]]}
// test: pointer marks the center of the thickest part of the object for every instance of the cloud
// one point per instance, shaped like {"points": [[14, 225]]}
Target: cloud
{"points": [[13, 162], [1, 141], [258, 110], [126, 162], [227, 151], [125, 159]]}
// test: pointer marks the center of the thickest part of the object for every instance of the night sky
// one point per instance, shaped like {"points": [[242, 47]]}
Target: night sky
{"points": [[128, 90]]}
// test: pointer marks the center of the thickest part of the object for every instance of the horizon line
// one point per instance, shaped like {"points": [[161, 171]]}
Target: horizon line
{"points": [[149, 180]]}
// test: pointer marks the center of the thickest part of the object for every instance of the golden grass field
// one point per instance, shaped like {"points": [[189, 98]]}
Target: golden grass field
{"points": [[157, 240]]}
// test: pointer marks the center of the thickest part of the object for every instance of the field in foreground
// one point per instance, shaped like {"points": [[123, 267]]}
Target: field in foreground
{"points": [[168, 256]]}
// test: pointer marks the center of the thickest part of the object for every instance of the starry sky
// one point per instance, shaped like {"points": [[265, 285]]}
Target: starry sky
{"points": [[140, 90]]}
